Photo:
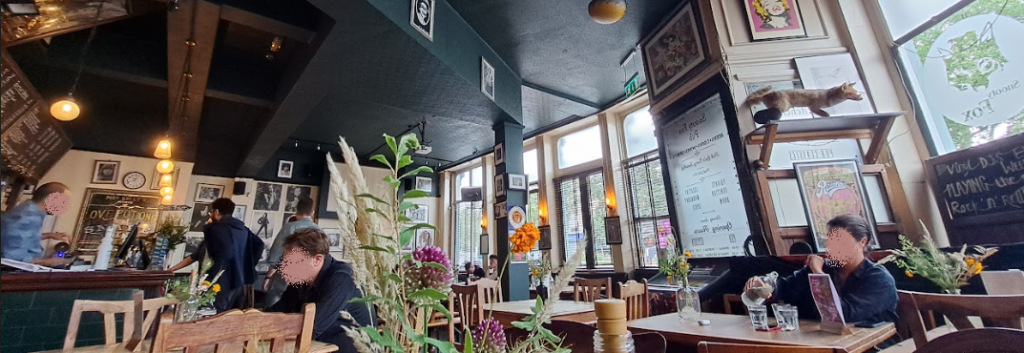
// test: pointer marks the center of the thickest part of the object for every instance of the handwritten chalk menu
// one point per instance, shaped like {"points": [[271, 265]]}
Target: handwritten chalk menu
{"points": [[31, 141], [982, 185], [710, 211]]}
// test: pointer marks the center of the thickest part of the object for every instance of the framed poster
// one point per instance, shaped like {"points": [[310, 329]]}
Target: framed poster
{"points": [[612, 231], [103, 208], [830, 189], [208, 192], [828, 71], [200, 217], [674, 50], [105, 172], [774, 19], [296, 193], [487, 78], [421, 17], [268, 197]]}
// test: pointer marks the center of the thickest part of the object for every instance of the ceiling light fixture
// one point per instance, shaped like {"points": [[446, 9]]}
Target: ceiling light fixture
{"points": [[67, 109], [163, 149], [165, 167], [166, 180], [607, 12]]}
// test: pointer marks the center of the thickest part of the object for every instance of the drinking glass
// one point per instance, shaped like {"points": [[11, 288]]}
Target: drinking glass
{"points": [[790, 319], [758, 316], [778, 316]]}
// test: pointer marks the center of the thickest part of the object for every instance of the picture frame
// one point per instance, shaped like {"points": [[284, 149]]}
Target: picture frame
{"points": [[293, 194], [421, 17], [501, 210], [774, 19], [487, 78], [208, 192], [155, 180], [285, 169], [418, 215], [828, 71], [424, 237], [829, 189], [516, 217], [240, 211], [424, 184], [499, 185], [106, 172], [268, 197], [499, 154], [201, 213], [485, 244], [675, 50], [517, 182], [545, 238], [334, 239], [613, 230]]}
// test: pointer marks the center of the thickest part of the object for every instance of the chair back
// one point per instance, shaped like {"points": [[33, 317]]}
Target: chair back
{"points": [[491, 291], [238, 331], [996, 311], [712, 347], [638, 299], [1003, 282], [110, 310], [986, 340], [466, 300], [591, 290], [575, 336], [650, 342]]}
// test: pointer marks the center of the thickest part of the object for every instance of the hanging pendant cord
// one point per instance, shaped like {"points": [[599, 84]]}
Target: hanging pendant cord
{"points": [[85, 50]]}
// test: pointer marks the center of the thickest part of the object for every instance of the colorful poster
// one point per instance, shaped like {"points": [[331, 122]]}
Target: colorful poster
{"points": [[830, 189], [774, 19], [827, 300]]}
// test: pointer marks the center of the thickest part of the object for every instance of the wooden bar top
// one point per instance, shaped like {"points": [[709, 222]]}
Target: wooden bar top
{"points": [[57, 281]]}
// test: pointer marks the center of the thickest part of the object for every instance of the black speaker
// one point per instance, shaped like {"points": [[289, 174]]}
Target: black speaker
{"points": [[472, 194], [239, 188]]}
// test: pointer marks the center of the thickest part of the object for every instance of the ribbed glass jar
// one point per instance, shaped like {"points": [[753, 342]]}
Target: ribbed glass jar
{"points": [[613, 343]]}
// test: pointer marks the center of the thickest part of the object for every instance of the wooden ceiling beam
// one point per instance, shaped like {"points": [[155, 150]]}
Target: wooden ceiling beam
{"points": [[184, 123], [267, 24]]}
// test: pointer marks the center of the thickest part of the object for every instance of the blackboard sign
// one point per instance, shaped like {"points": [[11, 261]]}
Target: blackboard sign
{"points": [[31, 141], [980, 186], [121, 209]]}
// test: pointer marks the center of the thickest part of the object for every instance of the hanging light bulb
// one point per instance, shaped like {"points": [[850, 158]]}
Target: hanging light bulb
{"points": [[607, 12], [167, 200], [65, 109], [318, 147], [165, 167], [166, 180], [163, 149], [166, 191]]}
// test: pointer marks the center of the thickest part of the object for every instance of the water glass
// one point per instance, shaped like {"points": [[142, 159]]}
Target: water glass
{"points": [[758, 316], [778, 316], [789, 319]]}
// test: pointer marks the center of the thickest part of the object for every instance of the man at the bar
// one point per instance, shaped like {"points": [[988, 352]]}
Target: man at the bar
{"points": [[21, 231]]}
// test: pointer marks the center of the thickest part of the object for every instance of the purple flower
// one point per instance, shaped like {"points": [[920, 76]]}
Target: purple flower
{"points": [[489, 337], [426, 276]]}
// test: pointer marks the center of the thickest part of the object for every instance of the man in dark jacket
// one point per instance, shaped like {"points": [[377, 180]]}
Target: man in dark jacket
{"points": [[234, 249]]}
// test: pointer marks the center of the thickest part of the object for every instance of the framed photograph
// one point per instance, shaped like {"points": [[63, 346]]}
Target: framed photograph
{"points": [[425, 184], [828, 71], [105, 172], [501, 210], [155, 184], [830, 189], [201, 214], [516, 217], [268, 197], [545, 238], [285, 169], [612, 231], [421, 17], [240, 211], [774, 19], [499, 154], [296, 193], [674, 50], [419, 214], [499, 185], [208, 192], [334, 238], [516, 182], [263, 226], [424, 237], [485, 244], [487, 78]]}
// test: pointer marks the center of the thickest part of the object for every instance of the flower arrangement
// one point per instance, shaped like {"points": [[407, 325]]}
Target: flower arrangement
{"points": [[540, 269], [489, 337], [949, 271], [194, 292], [677, 266], [525, 239], [173, 230]]}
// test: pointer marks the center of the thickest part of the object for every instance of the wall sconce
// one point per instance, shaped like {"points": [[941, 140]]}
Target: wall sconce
{"points": [[483, 223], [609, 203], [543, 213]]}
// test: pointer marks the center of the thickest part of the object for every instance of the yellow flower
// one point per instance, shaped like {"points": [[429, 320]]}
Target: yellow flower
{"points": [[688, 254], [978, 268], [910, 274], [215, 288], [970, 262], [205, 284], [536, 272]]}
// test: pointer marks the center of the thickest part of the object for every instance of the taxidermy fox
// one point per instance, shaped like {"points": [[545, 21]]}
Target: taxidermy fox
{"points": [[815, 99]]}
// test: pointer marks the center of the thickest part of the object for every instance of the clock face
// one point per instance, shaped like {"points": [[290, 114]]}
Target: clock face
{"points": [[134, 180]]}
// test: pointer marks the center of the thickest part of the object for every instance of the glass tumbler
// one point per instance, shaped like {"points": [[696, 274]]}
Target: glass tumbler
{"points": [[758, 316], [790, 320]]}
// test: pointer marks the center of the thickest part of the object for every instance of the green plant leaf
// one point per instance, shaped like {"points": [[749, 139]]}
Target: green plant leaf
{"points": [[404, 219], [525, 326], [415, 194], [440, 309], [417, 171], [372, 333], [395, 183], [403, 162], [405, 206], [442, 346], [374, 198], [429, 294], [406, 238], [408, 142], [381, 159], [468, 347], [391, 143], [437, 266], [393, 278], [377, 249], [365, 299], [550, 337]]}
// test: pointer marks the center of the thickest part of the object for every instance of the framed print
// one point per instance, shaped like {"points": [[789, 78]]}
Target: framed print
{"points": [[424, 237], [200, 217], [296, 193], [612, 231], [499, 154], [674, 50], [501, 210], [516, 217], [774, 19], [487, 78], [334, 238], [208, 192], [268, 197], [425, 184], [516, 182], [499, 185], [828, 71], [155, 184], [239, 213], [485, 244], [102, 208], [421, 17], [285, 169], [830, 189], [264, 225], [106, 172], [419, 214], [545, 238]]}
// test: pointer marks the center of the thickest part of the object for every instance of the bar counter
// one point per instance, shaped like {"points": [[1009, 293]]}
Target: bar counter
{"points": [[58, 281]]}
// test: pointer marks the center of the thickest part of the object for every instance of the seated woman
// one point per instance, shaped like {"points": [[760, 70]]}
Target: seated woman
{"points": [[867, 291]]}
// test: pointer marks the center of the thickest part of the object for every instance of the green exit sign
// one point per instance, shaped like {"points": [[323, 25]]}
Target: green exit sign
{"points": [[632, 86]]}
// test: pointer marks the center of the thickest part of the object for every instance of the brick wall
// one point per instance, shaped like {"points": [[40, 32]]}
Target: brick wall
{"points": [[37, 321]]}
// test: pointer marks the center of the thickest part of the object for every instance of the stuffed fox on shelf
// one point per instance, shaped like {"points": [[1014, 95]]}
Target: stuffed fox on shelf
{"points": [[815, 99]]}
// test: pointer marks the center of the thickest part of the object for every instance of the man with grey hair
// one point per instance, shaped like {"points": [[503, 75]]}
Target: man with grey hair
{"points": [[21, 228]]}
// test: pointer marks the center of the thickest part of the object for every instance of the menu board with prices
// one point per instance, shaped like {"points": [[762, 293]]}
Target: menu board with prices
{"points": [[31, 142]]}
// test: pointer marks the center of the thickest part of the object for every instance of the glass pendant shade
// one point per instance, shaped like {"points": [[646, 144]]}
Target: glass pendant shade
{"points": [[166, 191], [65, 109], [167, 200], [166, 180], [165, 167], [163, 149]]}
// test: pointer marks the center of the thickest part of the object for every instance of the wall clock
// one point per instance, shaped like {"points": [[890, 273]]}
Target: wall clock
{"points": [[134, 180]]}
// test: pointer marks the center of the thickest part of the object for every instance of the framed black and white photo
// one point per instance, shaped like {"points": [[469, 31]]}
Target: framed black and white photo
{"points": [[263, 225], [487, 78], [334, 238], [200, 216], [268, 197], [296, 193], [516, 182], [418, 214], [240, 211], [424, 238], [425, 184], [106, 172], [501, 210], [421, 17], [612, 231], [208, 192], [545, 238], [499, 154], [285, 169], [499, 185]]}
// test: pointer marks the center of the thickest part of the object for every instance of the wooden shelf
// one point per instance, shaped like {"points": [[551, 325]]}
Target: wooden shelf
{"points": [[871, 126]]}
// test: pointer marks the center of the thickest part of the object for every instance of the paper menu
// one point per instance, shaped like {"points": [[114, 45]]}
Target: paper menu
{"points": [[829, 305]]}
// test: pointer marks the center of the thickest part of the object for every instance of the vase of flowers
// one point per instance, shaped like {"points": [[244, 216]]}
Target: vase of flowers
{"points": [[687, 298], [193, 292], [540, 273], [949, 271]]}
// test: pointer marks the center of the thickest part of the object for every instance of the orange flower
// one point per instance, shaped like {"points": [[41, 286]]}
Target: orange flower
{"points": [[215, 288], [910, 274], [970, 262], [525, 239], [688, 254], [978, 268]]}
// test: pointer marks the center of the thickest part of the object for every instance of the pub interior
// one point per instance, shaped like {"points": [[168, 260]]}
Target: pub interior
{"points": [[512, 176]]}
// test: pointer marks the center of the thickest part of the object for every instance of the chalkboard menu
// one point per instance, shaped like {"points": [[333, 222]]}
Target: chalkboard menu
{"points": [[31, 141], [114, 208], [980, 187]]}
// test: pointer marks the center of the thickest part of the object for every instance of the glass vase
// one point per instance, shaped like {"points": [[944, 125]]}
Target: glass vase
{"points": [[688, 303], [187, 311]]}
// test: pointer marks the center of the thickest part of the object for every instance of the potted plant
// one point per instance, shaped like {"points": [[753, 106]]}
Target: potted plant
{"points": [[949, 271]]}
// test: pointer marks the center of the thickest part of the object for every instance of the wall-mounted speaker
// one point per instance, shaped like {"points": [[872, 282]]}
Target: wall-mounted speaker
{"points": [[472, 194], [240, 188]]}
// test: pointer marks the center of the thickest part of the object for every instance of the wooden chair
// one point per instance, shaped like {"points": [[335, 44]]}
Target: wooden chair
{"points": [[638, 299], [591, 290], [996, 311], [237, 331], [491, 291], [466, 301], [712, 347], [986, 340], [110, 309], [650, 342], [731, 301], [576, 336]]}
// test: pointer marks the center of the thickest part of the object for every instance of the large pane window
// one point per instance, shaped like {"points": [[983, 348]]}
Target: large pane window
{"points": [[639, 133], [581, 205], [648, 203], [579, 147], [468, 213]]}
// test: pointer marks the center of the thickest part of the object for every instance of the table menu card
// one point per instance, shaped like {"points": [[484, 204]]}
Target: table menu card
{"points": [[829, 306]]}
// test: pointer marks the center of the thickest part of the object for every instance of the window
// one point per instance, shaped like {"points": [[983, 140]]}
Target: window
{"points": [[581, 203], [648, 203], [468, 213], [639, 133], [964, 68], [579, 147], [533, 178]]}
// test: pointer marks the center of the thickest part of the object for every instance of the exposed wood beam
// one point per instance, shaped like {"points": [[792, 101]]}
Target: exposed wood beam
{"points": [[267, 24], [184, 123]]}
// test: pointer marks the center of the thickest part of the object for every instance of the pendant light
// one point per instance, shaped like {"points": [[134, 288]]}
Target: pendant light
{"points": [[167, 200], [165, 167], [607, 12], [166, 191], [66, 109], [163, 149], [166, 180]]}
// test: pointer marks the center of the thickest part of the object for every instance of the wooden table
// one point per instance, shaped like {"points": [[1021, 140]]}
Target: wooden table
{"points": [[737, 329], [316, 347], [566, 310]]}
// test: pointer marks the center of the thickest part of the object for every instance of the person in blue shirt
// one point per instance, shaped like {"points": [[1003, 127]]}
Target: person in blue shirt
{"points": [[274, 284], [21, 228]]}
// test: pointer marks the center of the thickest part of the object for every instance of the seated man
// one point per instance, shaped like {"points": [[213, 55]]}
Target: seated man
{"points": [[867, 291], [474, 271], [315, 277]]}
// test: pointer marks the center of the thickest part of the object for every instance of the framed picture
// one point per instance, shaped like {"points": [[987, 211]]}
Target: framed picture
{"points": [[208, 192], [501, 210], [102, 208], [774, 19], [516, 217], [499, 154], [545, 238], [285, 169], [516, 182], [499, 185], [612, 231], [200, 217], [487, 78], [239, 213], [421, 17], [419, 214], [263, 225], [155, 184], [296, 193], [424, 237], [106, 172], [425, 184], [830, 189], [828, 71], [485, 244], [268, 197], [334, 238], [674, 50]]}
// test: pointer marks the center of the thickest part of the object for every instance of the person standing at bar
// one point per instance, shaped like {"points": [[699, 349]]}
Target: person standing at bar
{"points": [[275, 284], [234, 249], [21, 231]]}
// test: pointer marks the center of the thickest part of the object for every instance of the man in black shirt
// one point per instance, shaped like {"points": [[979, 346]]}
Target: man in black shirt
{"points": [[315, 277]]}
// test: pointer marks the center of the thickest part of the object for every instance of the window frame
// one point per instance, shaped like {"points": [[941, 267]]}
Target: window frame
{"points": [[456, 191], [587, 218], [635, 221]]}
